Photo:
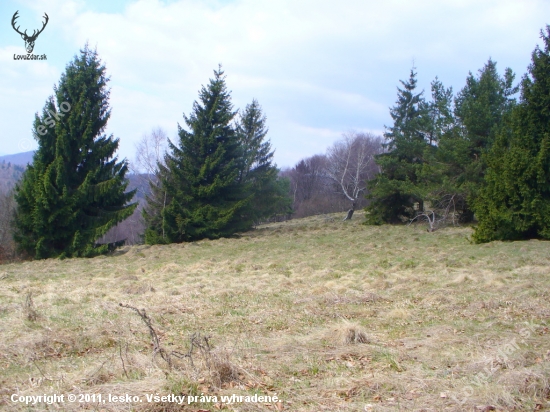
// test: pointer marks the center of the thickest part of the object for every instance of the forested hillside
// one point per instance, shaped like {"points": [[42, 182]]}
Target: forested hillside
{"points": [[9, 175], [20, 159]]}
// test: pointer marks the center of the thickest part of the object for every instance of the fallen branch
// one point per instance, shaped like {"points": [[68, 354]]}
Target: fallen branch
{"points": [[220, 368], [431, 216], [196, 340], [154, 337], [431, 220]]}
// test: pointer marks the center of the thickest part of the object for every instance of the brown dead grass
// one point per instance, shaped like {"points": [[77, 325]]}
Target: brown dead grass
{"points": [[328, 315], [348, 333]]}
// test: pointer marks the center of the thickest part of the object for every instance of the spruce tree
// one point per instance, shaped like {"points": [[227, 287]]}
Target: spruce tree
{"points": [[73, 193], [441, 190], [396, 189], [482, 103], [201, 179], [440, 113], [251, 131], [453, 171], [480, 108], [514, 203], [257, 173]]}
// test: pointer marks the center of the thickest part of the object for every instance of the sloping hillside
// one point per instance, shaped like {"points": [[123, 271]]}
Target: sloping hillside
{"points": [[324, 314], [9, 175], [20, 159]]}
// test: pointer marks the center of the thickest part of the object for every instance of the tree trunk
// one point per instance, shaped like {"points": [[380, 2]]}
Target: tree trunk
{"points": [[350, 212]]}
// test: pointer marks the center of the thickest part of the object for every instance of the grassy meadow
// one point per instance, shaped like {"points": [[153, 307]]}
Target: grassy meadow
{"points": [[326, 315]]}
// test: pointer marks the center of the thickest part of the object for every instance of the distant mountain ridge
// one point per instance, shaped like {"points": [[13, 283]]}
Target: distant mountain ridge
{"points": [[19, 159], [12, 168], [10, 174]]}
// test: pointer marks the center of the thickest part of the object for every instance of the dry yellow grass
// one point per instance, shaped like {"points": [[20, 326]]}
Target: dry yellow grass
{"points": [[327, 315]]}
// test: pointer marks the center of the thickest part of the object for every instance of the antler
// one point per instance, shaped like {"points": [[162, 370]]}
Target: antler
{"points": [[15, 16], [29, 40], [35, 35]]}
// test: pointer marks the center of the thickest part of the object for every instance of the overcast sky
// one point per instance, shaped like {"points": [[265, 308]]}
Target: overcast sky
{"points": [[318, 68]]}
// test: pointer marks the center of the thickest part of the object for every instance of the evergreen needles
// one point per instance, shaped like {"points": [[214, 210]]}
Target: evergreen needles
{"points": [[73, 192], [218, 179], [515, 201]]}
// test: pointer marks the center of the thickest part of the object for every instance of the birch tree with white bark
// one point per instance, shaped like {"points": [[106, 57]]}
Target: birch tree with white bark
{"points": [[351, 163]]}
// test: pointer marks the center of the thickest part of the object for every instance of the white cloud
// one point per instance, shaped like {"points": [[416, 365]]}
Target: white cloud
{"points": [[318, 68]]}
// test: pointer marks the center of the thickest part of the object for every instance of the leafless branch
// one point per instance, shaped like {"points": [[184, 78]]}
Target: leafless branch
{"points": [[197, 341], [444, 212], [351, 163], [154, 337], [150, 152]]}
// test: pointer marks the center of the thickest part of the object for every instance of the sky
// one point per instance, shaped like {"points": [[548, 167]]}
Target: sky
{"points": [[318, 68]]}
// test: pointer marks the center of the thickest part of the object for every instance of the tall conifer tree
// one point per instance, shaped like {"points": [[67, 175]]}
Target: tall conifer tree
{"points": [[482, 103], [201, 178], [453, 171], [479, 109], [73, 193], [395, 190], [515, 201], [257, 172]]}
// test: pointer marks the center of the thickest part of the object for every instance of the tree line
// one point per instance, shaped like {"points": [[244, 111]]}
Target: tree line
{"points": [[336, 180], [217, 179], [481, 156]]}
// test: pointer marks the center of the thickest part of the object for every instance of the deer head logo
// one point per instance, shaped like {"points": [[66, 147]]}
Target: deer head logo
{"points": [[29, 40]]}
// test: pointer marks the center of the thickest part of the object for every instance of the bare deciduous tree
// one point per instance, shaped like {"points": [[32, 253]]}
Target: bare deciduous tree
{"points": [[150, 152], [311, 189], [151, 158], [308, 177], [351, 164], [326, 183]]}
